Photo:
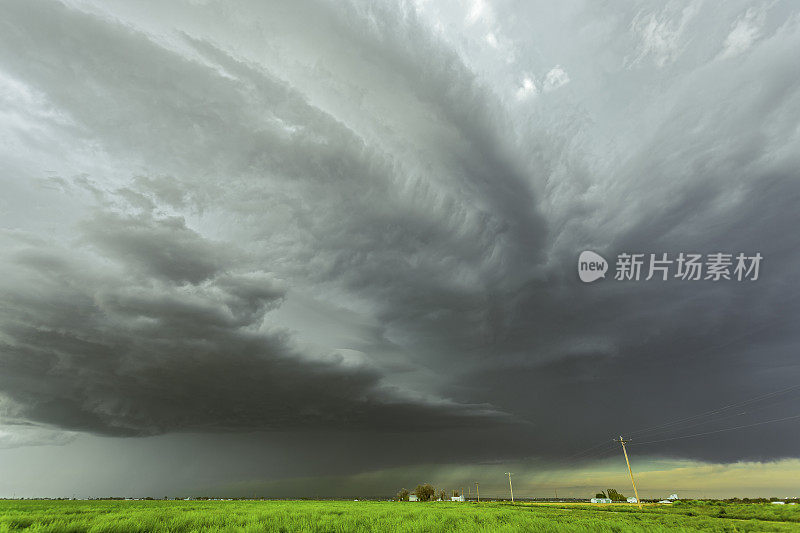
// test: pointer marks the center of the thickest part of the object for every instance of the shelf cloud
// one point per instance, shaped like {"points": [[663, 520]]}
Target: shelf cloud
{"points": [[294, 217]]}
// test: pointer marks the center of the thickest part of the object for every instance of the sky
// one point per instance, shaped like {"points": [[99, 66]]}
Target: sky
{"points": [[330, 249]]}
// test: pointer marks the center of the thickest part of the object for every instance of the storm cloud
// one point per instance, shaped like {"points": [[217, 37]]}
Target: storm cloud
{"points": [[335, 216]]}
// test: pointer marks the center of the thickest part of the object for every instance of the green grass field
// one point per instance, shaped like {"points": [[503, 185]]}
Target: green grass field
{"points": [[179, 516]]}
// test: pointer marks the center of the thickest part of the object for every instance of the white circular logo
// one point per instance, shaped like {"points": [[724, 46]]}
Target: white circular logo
{"points": [[591, 266]]}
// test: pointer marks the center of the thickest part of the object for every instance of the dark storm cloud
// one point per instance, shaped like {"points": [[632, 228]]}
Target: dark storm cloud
{"points": [[90, 349], [162, 248], [715, 176], [240, 158], [161, 355], [333, 208]]}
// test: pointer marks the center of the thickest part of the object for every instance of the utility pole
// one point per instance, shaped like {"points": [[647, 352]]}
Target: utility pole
{"points": [[624, 451], [478, 491], [510, 486]]}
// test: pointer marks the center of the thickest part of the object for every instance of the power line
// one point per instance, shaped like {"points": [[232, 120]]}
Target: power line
{"points": [[598, 451], [604, 447], [718, 430], [750, 410], [717, 410], [587, 450]]}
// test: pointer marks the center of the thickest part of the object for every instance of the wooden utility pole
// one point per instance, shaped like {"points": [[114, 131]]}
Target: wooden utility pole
{"points": [[624, 451], [510, 486], [478, 490]]}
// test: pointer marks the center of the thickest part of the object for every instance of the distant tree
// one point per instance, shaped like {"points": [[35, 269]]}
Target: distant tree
{"points": [[615, 496], [425, 492], [442, 495], [402, 495], [600, 495]]}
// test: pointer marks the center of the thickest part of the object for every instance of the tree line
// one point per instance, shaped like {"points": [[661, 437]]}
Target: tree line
{"points": [[424, 492]]}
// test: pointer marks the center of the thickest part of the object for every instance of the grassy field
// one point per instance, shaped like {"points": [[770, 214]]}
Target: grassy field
{"points": [[179, 516]]}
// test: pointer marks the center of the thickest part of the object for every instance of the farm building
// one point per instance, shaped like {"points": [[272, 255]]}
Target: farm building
{"points": [[412, 498], [457, 498], [601, 500], [632, 499]]}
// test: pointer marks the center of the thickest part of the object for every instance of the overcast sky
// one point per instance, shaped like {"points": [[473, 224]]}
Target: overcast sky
{"points": [[310, 248]]}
